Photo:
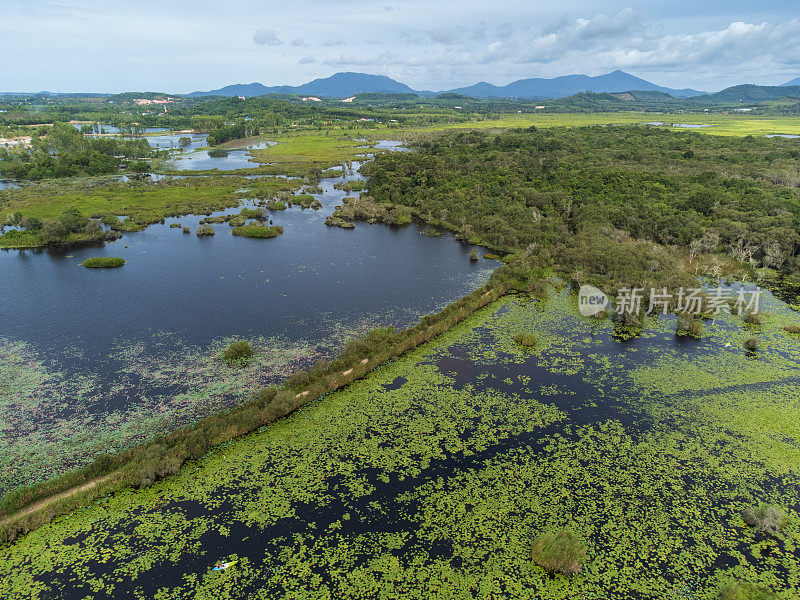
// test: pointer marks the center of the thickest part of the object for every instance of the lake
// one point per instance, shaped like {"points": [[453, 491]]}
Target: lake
{"points": [[123, 351]]}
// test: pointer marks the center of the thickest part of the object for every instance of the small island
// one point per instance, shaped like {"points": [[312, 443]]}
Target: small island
{"points": [[253, 230], [103, 262]]}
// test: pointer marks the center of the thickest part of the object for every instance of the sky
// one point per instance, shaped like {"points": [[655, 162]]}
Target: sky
{"points": [[179, 46]]}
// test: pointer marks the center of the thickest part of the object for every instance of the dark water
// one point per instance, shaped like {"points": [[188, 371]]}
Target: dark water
{"points": [[295, 285], [199, 159]]}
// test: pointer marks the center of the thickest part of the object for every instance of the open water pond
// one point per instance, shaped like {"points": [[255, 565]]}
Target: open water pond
{"points": [[94, 359]]}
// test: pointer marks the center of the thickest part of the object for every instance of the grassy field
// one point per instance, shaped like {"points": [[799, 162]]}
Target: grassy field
{"points": [[719, 124], [311, 149], [432, 476], [297, 152], [140, 202]]}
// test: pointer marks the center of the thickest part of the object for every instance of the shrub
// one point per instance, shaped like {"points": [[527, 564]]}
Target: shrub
{"points": [[473, 255], [110, 220], [139, 166], [218, 153], [752, 344], [766, 519], [333, 221], [525, 339], [174, 225], [53, 232], [738, 590], [752, 319], [275, 205], [73, 220], [205, 230], [103, 262], [238, 351], [94, 229], [559, 552], [792, 328], [187, 230], [688, 325], [257, 231]]}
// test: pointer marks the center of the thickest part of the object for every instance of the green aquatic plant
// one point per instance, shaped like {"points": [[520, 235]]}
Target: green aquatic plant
{"points": [[103, 262], [560, 551]]}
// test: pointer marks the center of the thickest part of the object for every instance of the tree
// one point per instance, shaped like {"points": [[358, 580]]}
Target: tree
{"points": [[53, 232], [73, 220]]}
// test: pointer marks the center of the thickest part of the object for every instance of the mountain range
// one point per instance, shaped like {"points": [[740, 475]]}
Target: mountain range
{"points": [[342, 85]]}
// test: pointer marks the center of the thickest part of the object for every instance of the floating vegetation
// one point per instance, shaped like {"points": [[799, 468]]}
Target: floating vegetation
{"points": [[103, 262], [649, 448]]}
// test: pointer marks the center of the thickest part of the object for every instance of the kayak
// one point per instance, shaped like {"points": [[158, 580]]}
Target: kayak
{"points": [[223, 566]]}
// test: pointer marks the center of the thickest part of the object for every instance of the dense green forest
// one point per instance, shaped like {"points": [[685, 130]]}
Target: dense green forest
{"points": [[573, 196], [63, 151]]}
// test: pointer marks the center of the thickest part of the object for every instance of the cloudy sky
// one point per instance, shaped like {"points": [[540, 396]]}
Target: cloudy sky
{"points": [[181, 46]]}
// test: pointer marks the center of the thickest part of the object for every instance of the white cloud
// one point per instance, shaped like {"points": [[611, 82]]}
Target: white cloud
{"points": [[266, 37], [306, 60]]}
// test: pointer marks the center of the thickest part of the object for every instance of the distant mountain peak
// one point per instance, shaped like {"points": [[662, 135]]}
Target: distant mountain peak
{"points": [[348, 83]]}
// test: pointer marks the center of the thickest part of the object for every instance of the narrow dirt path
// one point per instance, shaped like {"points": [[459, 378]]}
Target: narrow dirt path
{"points": [[36, 506]]}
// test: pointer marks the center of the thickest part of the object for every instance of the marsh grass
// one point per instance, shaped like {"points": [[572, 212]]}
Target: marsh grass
{"points": [[767, 520], [688, 325], [752, 344], [527, 340], [559, 551], [103, 262], [254, 230], [737, 590]]}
